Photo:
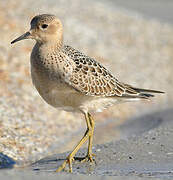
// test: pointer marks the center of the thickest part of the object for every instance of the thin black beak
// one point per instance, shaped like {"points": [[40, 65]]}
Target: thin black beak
{"points": [[27, 35]]}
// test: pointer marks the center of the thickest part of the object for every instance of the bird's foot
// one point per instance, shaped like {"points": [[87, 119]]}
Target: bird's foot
{"points": [[88, 157], [68, 161]]}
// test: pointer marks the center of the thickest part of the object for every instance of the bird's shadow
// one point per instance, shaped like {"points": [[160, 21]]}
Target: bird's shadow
{"points": [[51, 163]]}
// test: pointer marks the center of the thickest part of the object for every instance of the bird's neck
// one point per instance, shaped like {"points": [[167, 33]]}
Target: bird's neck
{"points": [[57, 45], [52, 44]]}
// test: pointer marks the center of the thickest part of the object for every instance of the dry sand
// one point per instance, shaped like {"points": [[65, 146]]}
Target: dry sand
{"points": [[136, 50]]}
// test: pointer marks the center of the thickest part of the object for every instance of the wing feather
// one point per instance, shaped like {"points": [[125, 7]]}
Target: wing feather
{"points": [[92, 79]]}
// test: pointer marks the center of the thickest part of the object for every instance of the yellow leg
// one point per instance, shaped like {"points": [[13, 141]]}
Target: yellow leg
{"points": [[89, 156], [87, 135]]}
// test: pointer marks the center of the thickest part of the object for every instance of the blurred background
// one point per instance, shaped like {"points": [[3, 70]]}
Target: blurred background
{"points": [[133, 39]]}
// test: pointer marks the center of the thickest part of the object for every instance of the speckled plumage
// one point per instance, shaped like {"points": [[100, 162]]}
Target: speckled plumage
{"points": [[93, 79], [68, 79]]}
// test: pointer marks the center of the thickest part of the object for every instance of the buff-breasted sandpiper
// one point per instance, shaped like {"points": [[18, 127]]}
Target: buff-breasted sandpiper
{"points": [[72, 81]]}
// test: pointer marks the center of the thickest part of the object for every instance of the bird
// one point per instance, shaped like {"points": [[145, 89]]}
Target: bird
{"points": [[68, 79]]}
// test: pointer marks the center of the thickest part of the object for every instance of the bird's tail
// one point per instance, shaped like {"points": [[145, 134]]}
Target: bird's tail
{"points": [[133, 92], [147, 92]]}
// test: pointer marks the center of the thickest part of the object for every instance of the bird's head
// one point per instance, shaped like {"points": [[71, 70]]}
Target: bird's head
{"points": [[44, 28]]}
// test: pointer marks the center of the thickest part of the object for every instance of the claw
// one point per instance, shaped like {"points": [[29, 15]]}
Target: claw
{"points": [[88, 157], [67, 161]]}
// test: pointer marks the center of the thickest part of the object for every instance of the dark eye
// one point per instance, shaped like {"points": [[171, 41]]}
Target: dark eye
{"points": [[44, 26]]}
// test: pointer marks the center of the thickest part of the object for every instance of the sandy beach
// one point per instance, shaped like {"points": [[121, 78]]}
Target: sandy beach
{"points": [[139, 157], [135, 42]]}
